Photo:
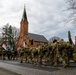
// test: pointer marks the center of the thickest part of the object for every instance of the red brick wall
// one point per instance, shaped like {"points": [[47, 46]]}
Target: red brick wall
{"points": [[38, 43], [21, 41], [23, 32], [23, 27]]}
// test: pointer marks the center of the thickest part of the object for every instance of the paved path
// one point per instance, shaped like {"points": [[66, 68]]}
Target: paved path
{"points": [[29, 69]]}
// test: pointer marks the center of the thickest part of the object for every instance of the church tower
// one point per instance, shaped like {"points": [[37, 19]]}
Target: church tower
{"points": [[24, 24], [23, 29]]}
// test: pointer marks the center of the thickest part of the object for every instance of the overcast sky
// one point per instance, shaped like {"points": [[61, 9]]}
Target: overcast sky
{"points": [[45, 17]]}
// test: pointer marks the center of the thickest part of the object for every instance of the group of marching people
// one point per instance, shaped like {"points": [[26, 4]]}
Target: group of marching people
{"points": [[43, 54], [10, 55], [7, 54], [51, 53]]}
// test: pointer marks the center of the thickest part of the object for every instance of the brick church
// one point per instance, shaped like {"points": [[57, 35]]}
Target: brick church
{"points": [[29, 38]]}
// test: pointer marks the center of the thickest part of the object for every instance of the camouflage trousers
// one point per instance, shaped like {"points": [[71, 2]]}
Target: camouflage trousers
{"points": [[63, 60], [21, 57]]}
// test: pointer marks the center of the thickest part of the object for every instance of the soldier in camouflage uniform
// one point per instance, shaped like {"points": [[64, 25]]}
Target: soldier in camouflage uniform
{"points": [[35, 55], [9, 54], [40, 54], [58, 54], [69, 52], [27, 55], [20, 53], [0, 51], [4, 53], [46, 54], [62, 53], [12, 54], [43, 54], [51, 53]]}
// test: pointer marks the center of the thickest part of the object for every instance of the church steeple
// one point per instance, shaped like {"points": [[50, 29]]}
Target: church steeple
{"points": [[24, 17], [24, 24], [23, 28]]}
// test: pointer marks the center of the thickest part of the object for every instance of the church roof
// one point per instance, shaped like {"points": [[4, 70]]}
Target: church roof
{"points": [[24, 14], [36, 37]]}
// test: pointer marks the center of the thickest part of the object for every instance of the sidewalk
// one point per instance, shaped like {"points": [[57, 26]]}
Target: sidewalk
{"points": [[7, 72]]}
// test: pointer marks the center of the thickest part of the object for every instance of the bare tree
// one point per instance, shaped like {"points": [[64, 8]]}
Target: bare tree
{"points": [[72, 8], [54, 38]]}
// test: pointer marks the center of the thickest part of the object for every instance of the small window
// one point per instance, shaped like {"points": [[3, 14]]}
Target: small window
{"points": [[21, 37], [32, 42]]}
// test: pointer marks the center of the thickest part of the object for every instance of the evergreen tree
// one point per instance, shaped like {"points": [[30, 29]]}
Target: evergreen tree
{"points": [[5, 33], [8, 35], [69, 38]]}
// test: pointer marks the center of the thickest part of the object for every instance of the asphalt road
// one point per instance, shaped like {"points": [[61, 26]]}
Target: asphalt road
{"points": [[29, 69], [7, 72]]}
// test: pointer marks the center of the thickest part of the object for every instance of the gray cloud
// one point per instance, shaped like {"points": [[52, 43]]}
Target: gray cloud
{"points": [[45, 17]]}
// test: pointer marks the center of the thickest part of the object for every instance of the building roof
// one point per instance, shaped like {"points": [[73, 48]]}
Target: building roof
{"points": [[24, 17], [36, 37]]}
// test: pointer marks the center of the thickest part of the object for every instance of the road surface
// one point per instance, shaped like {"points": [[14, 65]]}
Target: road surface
{"points": [[29, 69]]}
